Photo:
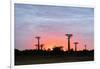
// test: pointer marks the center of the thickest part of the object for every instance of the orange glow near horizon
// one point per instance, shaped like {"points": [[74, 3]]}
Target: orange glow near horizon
{"points": [[51, 41], [51, 23]]}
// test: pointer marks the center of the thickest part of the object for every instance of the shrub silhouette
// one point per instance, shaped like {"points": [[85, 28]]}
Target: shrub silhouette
{"points": [[56, 51]]}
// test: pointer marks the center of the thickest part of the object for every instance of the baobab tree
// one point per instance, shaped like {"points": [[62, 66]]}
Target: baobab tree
{"points": [[76, 45], [38, 44], [69, 36], [41, 46]]}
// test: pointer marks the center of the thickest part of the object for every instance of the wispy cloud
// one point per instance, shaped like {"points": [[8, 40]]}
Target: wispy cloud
{"points": [[32, 20]]}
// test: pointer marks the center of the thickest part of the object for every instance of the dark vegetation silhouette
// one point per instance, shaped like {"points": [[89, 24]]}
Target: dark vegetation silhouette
{"points": [[57, 54], [57, 51], [51, 56]]}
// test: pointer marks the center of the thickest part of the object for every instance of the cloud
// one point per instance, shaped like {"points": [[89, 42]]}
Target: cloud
{"points": [[52, 21]]}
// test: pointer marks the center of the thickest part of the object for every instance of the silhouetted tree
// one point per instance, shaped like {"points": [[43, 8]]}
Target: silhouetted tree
{"points": [[76, 45], [49, 50], [41, 46], [57, 48], [38, 44], [57, 51], [69, 36]]}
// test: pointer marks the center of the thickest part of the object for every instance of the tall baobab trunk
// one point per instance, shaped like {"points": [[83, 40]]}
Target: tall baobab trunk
{"points": [[75, 46], [69, 36], [38, 39]]}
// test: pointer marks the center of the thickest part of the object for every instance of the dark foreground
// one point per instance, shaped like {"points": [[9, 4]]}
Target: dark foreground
{"points": [[44, 60], [44, 57]]}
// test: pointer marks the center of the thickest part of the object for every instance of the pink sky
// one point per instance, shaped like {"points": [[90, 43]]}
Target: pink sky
{"points": [[51, 23]]}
